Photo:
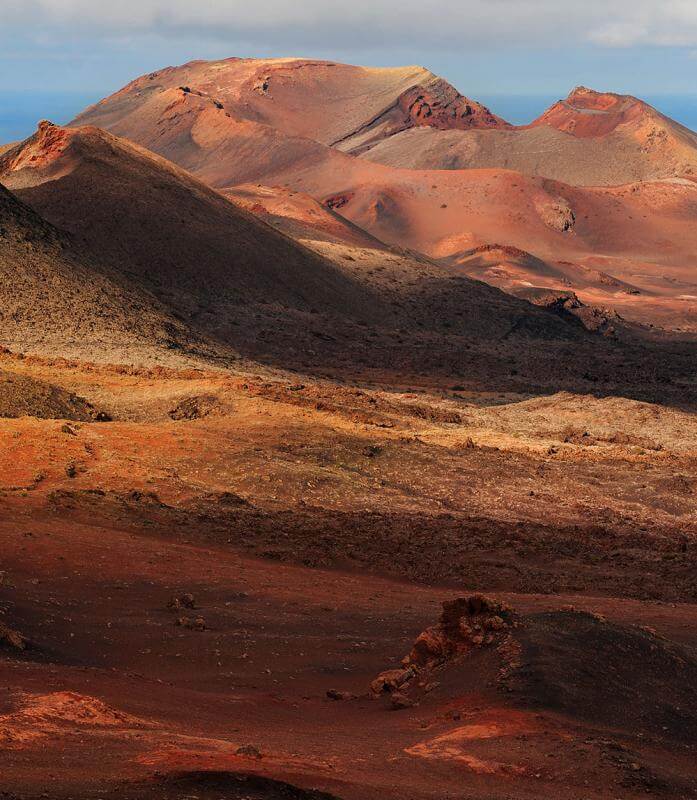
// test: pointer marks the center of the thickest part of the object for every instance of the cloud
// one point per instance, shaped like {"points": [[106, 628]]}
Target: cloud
{"points": [[366, 23], [619, 34], [672, 23], [450, 23]]}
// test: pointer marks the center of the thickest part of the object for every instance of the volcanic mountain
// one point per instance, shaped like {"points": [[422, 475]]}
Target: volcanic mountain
{"points": [[319, 129], [183, 239], [242, 120], [340, 105], [403, 117], [236, 280], [590, 138]]}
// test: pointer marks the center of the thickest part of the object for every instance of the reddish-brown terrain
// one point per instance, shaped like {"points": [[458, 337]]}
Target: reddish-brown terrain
{"points": [[601, 181], [294, 505], [241, 289], [589, 138], [335, 104], [318, 528]]}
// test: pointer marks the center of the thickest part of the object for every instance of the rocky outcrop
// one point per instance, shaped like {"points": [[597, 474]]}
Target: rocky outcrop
{"points": [[47, 144], [439, 105], [557, 300], [433, 104], [466, 624], [565, 302], [556, 213], [11, 638]]}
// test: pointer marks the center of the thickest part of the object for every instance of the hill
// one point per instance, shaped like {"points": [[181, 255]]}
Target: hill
{"points": [[340, 105], [57, 299], [642, 236], [216, 267], [613, 197], [300, 215], [24, 396], [588, 139], [228, 276], [190, 244]]}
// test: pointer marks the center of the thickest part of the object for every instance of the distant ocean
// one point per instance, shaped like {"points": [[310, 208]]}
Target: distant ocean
{"points": [[20, 112]]}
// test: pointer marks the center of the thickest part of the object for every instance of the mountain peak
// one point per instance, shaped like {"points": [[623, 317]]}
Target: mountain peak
{"points": [[342, 105], [583, 91], [588, 113], [40, 150]]}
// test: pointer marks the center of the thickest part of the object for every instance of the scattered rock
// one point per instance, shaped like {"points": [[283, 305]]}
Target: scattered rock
{"points": [[334, 694], [249, 751], [12, 638], [262, 86], [180, 601], [195, 624], [556, 214], [399, 701], [196, 407], [391, 680], [338, 201]]}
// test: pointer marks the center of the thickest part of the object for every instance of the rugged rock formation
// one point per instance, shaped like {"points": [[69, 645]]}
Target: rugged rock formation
{"points": [[466, 624]]}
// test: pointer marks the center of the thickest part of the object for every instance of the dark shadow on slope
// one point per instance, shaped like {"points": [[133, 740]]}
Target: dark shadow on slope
{"points": [[216, 785], [616, 675]]}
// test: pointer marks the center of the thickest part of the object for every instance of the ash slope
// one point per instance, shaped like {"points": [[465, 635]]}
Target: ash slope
{"points": [[56, 299], [226, 277], [589, 139], [239, 280], [400, 117], [640, 234], [341, 105]]}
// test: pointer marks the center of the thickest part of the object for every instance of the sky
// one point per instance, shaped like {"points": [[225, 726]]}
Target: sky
{"points": [[518, 56]]}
